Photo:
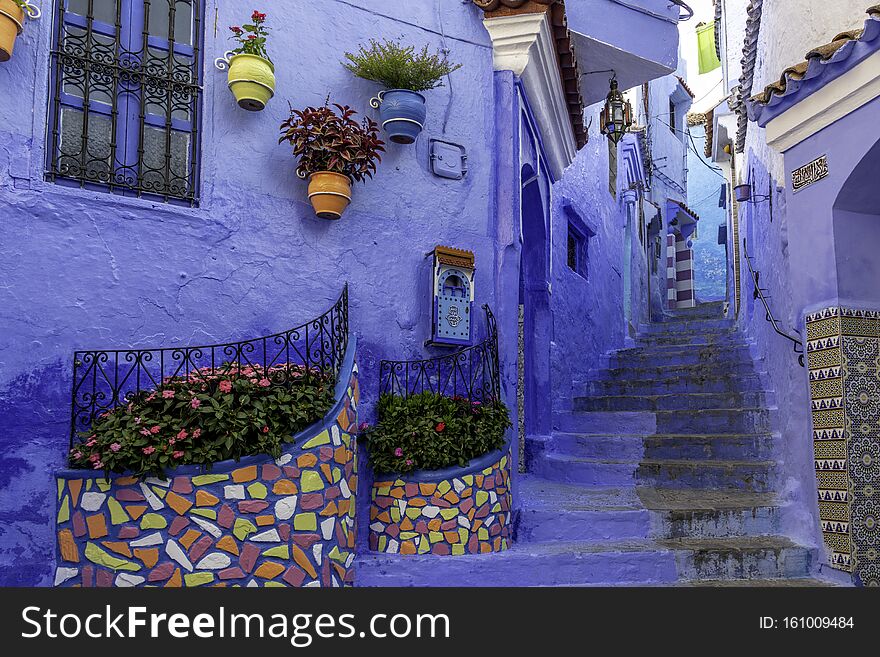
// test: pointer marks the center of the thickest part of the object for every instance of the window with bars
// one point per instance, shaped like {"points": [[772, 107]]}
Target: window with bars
{"points": [[126, 97]]}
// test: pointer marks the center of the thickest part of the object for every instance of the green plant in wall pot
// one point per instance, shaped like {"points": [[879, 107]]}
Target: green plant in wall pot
{"points": [[405, 72], [13, 16], [251, 74], [333, 149], [431, 432]]}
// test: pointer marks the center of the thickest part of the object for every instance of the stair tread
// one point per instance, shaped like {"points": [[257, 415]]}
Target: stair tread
{"points": [[675, 499], [705, 463], [760, 583], [538, 493], [663, 436]]}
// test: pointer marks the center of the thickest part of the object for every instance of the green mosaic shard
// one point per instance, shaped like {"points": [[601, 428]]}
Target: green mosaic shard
{"points": [[346, 440], [468, 479], [97, 555], [204, 480], [463, 535], [198, 579], [448, 514], [384, 490], [310, 481], [424, 546], [243, 528], [496, 507], [413, 512], [64, 510], [275, 585], [103, 485], [118, 515], [205, 513], [483, 534], [443, 487], [399, 482], [482, 497], [435, 537], [305, 521], [280, 552], [503, 462], [338, 555], [487, 471], [161, 492], [395, 513], [257, 490], [88, 484], [457, 548], [60, 487], [383, 542], [322, 438], [337, 475], [405, 536], [153, 521]]}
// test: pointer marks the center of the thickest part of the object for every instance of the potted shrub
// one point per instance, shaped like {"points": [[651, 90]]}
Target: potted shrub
{"points": [[333, 149], [404, 73], [13, 14], [251, 73]]}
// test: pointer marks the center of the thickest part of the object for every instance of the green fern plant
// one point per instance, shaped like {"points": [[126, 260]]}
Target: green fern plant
{"points": [[398, 66]]}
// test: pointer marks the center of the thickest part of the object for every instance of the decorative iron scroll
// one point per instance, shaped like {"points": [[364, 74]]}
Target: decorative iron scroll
{"points": [[472, 373], [104, 379]]}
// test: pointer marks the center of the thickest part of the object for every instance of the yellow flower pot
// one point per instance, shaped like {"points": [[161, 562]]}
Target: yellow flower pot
{"points": [[251, 80], [329, 193], [12, 19]]}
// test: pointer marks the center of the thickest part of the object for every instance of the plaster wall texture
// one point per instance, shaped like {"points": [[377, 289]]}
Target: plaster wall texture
{"points": [[89, 269], [704, 190]]}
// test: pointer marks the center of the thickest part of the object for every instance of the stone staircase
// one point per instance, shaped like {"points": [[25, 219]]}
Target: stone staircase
{"points": [[663, 472]]}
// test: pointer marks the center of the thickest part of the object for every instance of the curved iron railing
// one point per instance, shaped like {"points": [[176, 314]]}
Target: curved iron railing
{"points": [[104, 379], [759, 294], [472, 373]]}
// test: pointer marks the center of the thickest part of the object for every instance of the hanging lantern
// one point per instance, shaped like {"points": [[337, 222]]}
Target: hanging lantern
{"points": [[617, 115]]}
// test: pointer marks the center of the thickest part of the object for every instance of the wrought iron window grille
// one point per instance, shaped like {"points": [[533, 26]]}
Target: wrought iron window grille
{"points": [[125, 97], [106, 378]]}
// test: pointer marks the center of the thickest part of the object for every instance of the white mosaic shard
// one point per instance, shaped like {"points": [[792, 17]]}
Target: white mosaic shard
{"points": [[334, 435], [92, 501], [209, 527], [317, 550], [284, 459], [493, 496], [128, 580], [344, 489], [145, 541], [164, 483], [489, 520], [252, 584], [327, 528], [335, 581], [392, 546], [173, 550], [285, 507], [431, 511], [214, 561], [63, 574], [377, 527], [401, 504], [458, 485], [155, 503], [234, 492], [268, 536], [464, 522], [349, 560], [314, 584]]}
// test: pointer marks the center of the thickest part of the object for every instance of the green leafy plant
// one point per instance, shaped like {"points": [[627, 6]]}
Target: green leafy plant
{"points": [[325, 139], [251, 38], [399, 67], [431, 432], [211, 416]]}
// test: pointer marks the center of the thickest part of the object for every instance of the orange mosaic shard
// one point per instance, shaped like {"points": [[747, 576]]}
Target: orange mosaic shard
{"points": [[244, 474], [284, 487], [75, 486], [67, 546], [269, 570], [262, 521], [204, 498], [306, 460], [135, 511], [150, 556], [176, 580], [189, 538], [303, 561], [180, 504], [228, 544], [97, 525], [119, 547]]}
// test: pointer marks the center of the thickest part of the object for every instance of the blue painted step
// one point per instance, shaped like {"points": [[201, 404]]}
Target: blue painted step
{"points": [[585, 471], [674, 385], [680, 401], [695, 371], [732, 420], [756, 476]]}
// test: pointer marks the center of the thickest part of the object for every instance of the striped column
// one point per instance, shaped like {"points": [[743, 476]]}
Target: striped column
{"points": [[671, 286], [684, 275]]}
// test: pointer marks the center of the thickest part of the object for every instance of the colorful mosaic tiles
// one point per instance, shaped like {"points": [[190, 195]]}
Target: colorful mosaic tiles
{"points": [[843, 352], [465, 514], [261, 522]]}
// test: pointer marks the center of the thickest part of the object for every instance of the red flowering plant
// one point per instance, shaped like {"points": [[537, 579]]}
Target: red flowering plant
{"points": [[251, 37], [430, 432], [210, 416]]}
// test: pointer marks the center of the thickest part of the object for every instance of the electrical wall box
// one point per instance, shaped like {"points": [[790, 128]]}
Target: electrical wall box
{"points": [[448, 160]]}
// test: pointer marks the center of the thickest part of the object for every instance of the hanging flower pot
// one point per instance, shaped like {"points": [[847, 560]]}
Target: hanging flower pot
{"points": [[402, 113], [333, 149], [251, 76], [405, 73], [329, 194], [13, 14], [251, 80]]}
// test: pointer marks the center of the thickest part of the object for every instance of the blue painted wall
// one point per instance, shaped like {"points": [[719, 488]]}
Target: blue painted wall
{"points": [[704, 191]]}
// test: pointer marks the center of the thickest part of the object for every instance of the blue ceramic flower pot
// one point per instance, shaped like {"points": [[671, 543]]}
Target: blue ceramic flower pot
{"points": [[402, 114]]}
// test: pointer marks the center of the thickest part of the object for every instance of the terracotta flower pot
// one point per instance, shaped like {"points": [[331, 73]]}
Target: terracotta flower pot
{"points": [[329, 193], [251, 80], [12, 18]]}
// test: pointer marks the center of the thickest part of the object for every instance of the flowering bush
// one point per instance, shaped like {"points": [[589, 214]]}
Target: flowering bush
{"points": [[210, 416], [326, 141], [251, 38], [430, 432]]}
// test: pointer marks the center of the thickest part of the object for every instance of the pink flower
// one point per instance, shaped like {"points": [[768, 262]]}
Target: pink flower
{"points": [[440, 427], [171, 441], [91, 443], [155, 430], [137, 420], [363, 426], [251, 37], [168, 394], [265, 383], [145, 432], [265, 429], [98, 465], [409, 461], [148, 450], [197, 433], [226, 386], [177, 454], [398, 452], [115, 447], [182, 435], [94, 457], [151, 397], [195, 403], [77, 455]]}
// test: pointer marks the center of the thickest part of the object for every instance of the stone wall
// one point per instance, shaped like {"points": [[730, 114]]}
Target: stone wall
{"points": [[450, 512], [258, 522]]}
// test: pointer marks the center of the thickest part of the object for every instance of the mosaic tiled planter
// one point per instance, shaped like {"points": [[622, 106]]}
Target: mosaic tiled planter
{"points": [[447, 512], [256, 522]]}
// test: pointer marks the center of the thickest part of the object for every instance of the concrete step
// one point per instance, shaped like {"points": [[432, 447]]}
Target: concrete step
{"points": [[687, 324], [615, 422], [755, 476], [584, 471], [629, 447], [679, 401], [680, 338], [685, 347], [710, 513], [695, 371], [791, 582], [553, 511], [721, 420], [717, 357], [558, 563], [708, 310], [740, 558], [720, 383]]}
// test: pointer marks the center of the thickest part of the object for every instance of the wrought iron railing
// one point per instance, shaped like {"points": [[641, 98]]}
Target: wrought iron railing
{"points": [[759, 294], [104, 379], [472, 373]]}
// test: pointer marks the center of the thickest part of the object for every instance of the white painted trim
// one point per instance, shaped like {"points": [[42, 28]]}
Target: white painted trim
{"points": [[525, 45], [831, 103]]}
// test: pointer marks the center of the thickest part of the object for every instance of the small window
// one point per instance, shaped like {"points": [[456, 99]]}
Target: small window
{"points": [[673, 119], [577, 250]]}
